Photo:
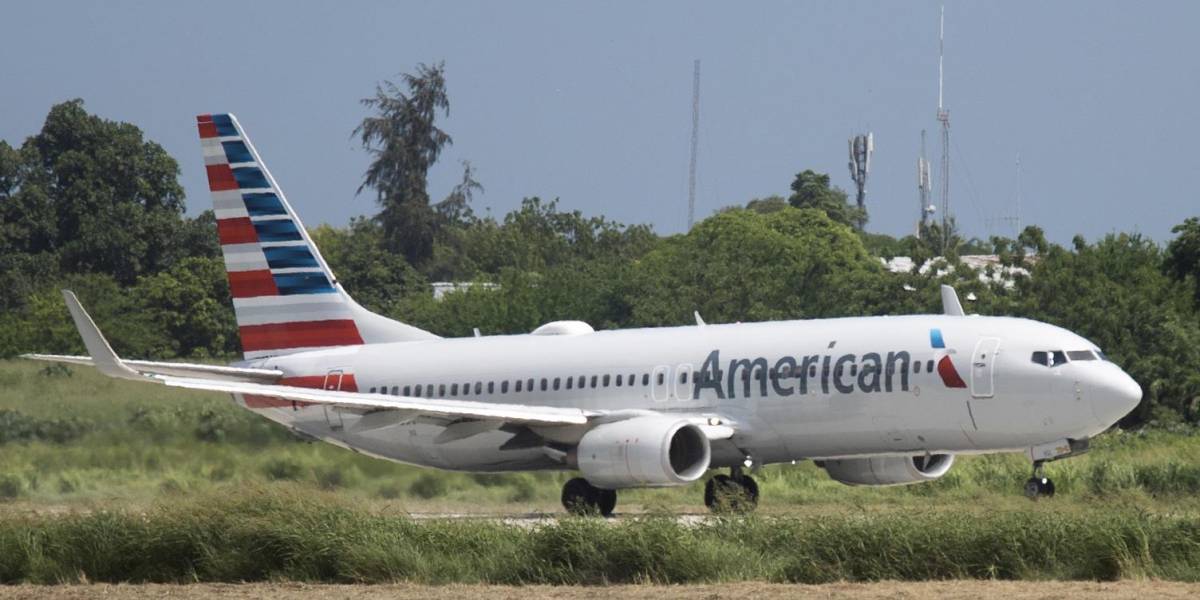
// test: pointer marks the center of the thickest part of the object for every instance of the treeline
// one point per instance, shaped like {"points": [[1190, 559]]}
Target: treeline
{"points": [[90, 204]]}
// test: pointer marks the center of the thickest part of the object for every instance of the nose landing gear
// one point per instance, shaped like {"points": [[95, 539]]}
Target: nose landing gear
{"points": [[733, 493], [1039, 486]]}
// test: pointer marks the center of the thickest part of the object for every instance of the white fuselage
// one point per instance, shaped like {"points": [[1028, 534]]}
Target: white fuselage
{"points": [[830, 388]]}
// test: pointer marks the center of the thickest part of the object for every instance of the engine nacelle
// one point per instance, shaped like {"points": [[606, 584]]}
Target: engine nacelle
{"points": [[888, 470], [651, 451]]}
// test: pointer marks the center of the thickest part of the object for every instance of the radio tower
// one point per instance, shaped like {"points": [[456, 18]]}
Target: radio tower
{"points": [[924, 189], [695, 141], [861, 149], [943, 117]]}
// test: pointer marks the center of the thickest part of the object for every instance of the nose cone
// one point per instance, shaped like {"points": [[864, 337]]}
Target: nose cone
{"points": [[1114, 396]]}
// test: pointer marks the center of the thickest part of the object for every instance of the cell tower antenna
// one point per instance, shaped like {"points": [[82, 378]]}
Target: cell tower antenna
{"points": [[861, 149], [943, 117], [695, 144], [924, 189]]}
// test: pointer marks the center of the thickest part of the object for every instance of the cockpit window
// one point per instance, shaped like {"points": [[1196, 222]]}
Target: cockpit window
{"points": [[1053, 358], [1081, 355]]}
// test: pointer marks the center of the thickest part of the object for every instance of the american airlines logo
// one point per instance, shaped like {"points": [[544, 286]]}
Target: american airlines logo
{"points": [[868, 373]]}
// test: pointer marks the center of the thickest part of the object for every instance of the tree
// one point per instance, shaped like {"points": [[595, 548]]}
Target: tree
{"points": [[1183, 254], [743, 266], [89, 195], [405, 142], [812, 190]]}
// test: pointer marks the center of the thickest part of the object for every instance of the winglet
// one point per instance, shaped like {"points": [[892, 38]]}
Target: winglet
{"points": [[950, 304], [699, 320], [102, 354]]}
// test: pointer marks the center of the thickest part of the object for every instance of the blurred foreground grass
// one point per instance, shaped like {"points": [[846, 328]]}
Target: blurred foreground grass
{"points": [[70, 438]]}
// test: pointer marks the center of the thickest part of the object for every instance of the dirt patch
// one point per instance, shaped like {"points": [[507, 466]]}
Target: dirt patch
{"points": [[1009, 590]]}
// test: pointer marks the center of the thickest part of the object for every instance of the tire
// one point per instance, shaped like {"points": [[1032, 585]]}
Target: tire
{"points": [[606, 501], [724, 494], [580, 497]]}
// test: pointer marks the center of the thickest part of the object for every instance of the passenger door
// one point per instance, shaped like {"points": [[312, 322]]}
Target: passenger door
{"points": [[983, 368]]}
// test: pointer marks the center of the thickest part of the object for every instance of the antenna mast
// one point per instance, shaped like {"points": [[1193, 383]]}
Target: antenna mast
{"points": [[943, 116], [861, 149], [695, 142], [924, 189]]}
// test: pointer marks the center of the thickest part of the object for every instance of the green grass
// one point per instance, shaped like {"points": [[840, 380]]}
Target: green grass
{"points": [[285, 533], [75, 439]]}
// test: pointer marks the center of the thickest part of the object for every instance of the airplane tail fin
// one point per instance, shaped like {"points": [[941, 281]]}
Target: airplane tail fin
{"points": [[284, 294]]}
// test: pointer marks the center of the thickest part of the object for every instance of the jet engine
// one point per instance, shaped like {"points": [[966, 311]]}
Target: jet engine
{"points": [[650, 451], [888, 470]]}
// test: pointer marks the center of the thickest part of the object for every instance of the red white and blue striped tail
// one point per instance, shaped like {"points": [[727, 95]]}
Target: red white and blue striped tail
{"points": [[285, 297]]}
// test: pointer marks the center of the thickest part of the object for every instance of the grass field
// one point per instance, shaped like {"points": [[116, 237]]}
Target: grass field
{"points": [[104, 480]]}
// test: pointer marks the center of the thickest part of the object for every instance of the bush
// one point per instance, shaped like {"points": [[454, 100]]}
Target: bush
{"points": [[283, 469], [11, 486], [18, 427], [428, 486]]}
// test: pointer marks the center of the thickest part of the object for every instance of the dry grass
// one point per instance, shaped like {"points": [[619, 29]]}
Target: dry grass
{"points": [[1009, 590]]}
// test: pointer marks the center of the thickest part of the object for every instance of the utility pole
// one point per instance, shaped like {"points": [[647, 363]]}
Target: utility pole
{"points": [[695, 144]]}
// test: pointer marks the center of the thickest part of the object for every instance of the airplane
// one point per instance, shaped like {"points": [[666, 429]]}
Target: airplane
{"points": [[873, 401]]}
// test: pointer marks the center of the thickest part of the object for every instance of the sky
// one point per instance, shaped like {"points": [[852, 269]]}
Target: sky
{"points": [[591, 102]]}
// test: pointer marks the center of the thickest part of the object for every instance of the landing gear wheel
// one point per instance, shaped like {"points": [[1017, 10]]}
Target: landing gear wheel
{"points": [[582, 498], [725, 494], [1039, 487]]}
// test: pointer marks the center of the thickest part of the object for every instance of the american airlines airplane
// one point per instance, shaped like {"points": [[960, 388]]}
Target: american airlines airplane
{"points": [[872, 400]]}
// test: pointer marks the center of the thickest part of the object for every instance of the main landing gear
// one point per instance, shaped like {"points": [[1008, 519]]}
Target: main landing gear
{"points": [[582, 498], [1039, 486], [733, 493]]}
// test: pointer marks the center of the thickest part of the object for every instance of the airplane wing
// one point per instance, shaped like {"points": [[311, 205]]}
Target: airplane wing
{"points": [[147, 367], [234, 380]]}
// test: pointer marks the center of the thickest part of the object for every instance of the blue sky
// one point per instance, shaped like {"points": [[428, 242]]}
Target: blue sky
{"points": [[591, 102]]}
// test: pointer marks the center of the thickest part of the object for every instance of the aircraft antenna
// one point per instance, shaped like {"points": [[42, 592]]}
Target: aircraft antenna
{"points": [[695, 144]]}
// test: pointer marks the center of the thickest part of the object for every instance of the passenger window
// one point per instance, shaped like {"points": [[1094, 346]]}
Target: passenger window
{"points": [[618, 380], [683, 377], [491, 387], [504, 387], [916, 366], [570, 380], [529, 384], [408, 390], [645, 379], [593, 381], [371, 391], [417, 390], [659, 380], [812, 371], [518, 386], [454, 389], [1058, 358], [556, 380], [442, 390], [478, 387], [929, 366], [606, 380], [395, 390], [544, 384], [1081, 355], [853, 370], [582, 381]]}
